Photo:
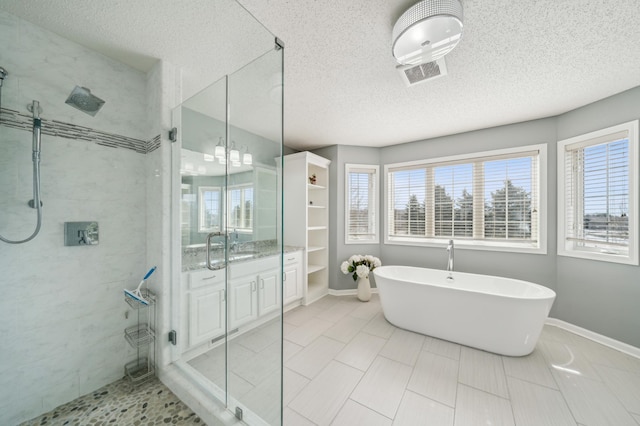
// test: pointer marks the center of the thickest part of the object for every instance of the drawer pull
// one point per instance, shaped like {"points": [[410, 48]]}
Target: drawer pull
{"points": [[209, 278], [291, 258]]}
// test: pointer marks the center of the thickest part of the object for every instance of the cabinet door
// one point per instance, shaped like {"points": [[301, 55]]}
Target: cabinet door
{"points": [[292, 286], [269, 292], [243, 301], [206, 315]]}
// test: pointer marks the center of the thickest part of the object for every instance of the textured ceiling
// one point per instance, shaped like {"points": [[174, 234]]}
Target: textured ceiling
{"points": [[517, 61]]}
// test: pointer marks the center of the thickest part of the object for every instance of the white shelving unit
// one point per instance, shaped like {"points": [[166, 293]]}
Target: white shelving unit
{"points": [[306, 216]]}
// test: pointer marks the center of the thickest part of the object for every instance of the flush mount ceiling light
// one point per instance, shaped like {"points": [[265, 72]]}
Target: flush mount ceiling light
{"points": [[427, 31]]}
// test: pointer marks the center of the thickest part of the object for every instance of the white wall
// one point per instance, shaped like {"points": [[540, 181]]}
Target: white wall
{"points": [[62, 312]]}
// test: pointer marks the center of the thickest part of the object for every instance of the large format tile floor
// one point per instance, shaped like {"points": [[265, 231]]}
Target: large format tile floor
{"points": [[347, 365]]}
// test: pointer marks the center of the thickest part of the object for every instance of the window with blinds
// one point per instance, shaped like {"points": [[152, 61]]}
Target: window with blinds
{"points": [[598, 195], [240, 205], [484, 199], [209, 207], [361, 220]]}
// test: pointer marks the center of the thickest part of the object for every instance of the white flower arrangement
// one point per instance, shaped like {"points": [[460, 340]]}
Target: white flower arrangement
{"points": [[360, 266]]}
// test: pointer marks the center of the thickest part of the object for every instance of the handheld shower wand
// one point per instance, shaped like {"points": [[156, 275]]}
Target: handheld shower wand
{"points": [[35, 155], [37, 126]]}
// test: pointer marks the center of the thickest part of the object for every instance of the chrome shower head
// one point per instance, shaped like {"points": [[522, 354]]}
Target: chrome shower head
{"points": [[82, 99]]}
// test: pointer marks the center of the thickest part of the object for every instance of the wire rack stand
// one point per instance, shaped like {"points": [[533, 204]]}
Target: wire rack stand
{"points": [[141, 337]]}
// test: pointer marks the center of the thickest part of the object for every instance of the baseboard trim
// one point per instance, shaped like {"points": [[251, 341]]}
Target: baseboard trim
{"points": [[598, 338], [348, 292]]}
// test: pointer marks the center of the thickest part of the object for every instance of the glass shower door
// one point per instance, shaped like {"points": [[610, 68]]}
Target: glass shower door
{"points": [[254, 215], [229, 307], [202, 306]]}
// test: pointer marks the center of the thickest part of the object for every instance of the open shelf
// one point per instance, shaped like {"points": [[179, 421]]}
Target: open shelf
{"points": [[139, 371], [139, 335], [307, 211], [315, 290], [314, 268]]}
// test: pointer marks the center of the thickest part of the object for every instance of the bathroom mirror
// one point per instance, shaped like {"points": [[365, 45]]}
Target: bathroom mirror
{"points": [[209, 163]]}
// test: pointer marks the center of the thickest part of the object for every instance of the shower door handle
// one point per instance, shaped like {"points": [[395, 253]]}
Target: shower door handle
{"points": [[209, 265]]}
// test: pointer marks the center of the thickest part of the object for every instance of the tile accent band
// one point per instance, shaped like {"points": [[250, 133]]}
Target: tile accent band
{"points": [[18, 120]]}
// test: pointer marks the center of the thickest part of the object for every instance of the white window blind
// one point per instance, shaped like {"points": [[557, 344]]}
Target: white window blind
{"points": [[482, 197], [511, 199], [361, 221], [407, 192], [453, 201], [598, 198]]}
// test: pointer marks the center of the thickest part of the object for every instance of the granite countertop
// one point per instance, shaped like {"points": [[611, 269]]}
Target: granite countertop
{"points": [[194, 257]]}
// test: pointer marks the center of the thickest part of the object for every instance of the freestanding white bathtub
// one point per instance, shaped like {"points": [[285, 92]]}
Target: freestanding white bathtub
{"points": [[499, 315]]}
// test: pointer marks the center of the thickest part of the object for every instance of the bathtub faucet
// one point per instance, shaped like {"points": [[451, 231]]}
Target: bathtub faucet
{"points": [[450, 262]]}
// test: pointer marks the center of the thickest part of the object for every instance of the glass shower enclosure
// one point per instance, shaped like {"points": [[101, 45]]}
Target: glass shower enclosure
{"points": [[227, 304]]}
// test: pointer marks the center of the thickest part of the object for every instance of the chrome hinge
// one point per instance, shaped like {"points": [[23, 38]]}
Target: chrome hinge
{"points": [[173, 134], [279, 44], [173, 337]]}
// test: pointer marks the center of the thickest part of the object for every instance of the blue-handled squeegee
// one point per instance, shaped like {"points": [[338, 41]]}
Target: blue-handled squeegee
{"points": [[135, 294]]}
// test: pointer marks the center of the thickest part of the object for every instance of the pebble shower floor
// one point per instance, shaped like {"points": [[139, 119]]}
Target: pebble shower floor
{"points": [[116, 404]]}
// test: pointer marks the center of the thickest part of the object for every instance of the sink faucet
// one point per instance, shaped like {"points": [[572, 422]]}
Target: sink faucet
{"points": [[233, 237], [450, 262]]}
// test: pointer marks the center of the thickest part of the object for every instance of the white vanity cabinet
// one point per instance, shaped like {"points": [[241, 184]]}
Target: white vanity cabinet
{"points": [[268, 292], [243, 300], [293, 277], [206, 306], [255, 290]]}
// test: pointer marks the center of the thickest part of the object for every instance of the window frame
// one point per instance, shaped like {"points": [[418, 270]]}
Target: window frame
{"points": [[374, 198], [477, 244], [201, 208], [586, 140], [242, 188]]}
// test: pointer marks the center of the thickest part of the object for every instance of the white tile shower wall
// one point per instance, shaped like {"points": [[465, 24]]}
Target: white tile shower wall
{"points": [[46, 67], [62, 313]]}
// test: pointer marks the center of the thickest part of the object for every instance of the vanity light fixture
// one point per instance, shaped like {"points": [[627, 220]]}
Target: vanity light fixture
{"points": [[427, 31], [234, 154], [247, 158], [220, 151]]}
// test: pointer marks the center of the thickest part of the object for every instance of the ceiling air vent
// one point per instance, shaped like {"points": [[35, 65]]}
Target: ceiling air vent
{"points": [[414, 74]]}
